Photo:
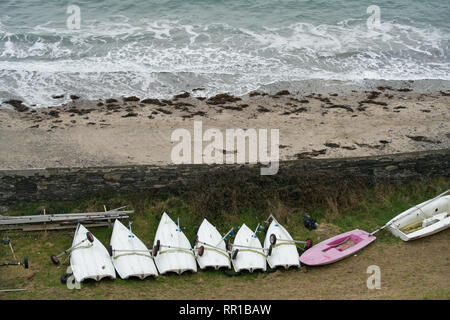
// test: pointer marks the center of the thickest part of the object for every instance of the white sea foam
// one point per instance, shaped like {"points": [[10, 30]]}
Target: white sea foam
{"points": [[163, 57]]}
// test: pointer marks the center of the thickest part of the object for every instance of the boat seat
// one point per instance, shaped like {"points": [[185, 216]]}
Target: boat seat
{"points": [[436, 218]]}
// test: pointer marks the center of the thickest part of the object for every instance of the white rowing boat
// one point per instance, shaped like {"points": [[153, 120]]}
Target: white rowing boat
{"points": [[90, 260], [130, 256], [422, 220], [210, 248], [284, 252], [172, 251], [247, 251]]}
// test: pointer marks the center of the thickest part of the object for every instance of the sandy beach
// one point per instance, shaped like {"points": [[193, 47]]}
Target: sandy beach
{"points": [[137, 130]]}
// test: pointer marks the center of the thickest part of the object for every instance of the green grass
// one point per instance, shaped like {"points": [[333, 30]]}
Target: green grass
{"points": [[368, 209]]}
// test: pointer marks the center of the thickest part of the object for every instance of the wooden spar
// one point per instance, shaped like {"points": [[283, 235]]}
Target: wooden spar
{"points": [[110, 212], [12, 290], [64, 217], [57, 226]]}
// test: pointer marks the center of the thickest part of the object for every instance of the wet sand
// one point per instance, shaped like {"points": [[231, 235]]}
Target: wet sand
{"points": [[135, 130]]}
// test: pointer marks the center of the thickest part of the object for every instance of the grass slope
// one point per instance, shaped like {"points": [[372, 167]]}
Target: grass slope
{"points": [[402, 264]]}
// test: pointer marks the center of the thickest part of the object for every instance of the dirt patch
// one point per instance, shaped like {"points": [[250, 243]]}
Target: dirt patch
{"points": [[326, 230], [415, 270]]}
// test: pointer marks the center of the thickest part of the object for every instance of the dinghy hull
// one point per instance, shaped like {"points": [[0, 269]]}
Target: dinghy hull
{"points": [[422, 220], [214, 253], [175, 254], [250, 255], [284, 253], [336, 248], [90, 260], [132, 258]]}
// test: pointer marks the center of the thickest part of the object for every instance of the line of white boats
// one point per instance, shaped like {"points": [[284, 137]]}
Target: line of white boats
{"points": [[172, 251]]}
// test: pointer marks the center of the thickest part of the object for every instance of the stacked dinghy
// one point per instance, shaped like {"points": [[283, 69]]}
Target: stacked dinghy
{"points": [[90, 259], [172, 250], [130, 256], [248, 253], [211, 249], [280, 247]]}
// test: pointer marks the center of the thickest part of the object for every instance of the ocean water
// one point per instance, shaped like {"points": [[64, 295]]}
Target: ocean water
{"points": [[160, 48]]}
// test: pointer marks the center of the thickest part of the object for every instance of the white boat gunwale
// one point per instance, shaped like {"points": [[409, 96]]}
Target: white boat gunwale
{"points": [[441, 217]]}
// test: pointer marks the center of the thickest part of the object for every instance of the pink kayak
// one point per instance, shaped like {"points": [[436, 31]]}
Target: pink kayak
{"points": [[336, 248]]}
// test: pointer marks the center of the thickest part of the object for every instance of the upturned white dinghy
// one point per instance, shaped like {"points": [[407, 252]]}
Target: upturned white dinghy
{"points": [[129, 255], [172, 251], [247, 251], [211, 249], [422, 220], [280, 247], [89, 260]]}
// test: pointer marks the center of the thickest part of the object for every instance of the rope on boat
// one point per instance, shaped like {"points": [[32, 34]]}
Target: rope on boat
{"points": [[177, 250], [283, 243], [251, 250], [288, 243], [133, 253], [219, 251], [80, 247]]}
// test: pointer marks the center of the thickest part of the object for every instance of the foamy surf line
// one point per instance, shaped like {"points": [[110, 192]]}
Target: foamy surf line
{"points": [[160, 58]]}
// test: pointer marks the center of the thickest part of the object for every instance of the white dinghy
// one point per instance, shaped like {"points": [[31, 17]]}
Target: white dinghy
{"points": [[280, 247], [129, 255], [422, 220], [172, 251], [211, 249], [247, 251], [89, 259]]}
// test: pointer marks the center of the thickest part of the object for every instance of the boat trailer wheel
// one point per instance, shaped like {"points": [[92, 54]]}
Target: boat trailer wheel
{"points": [[231, 274], [195, 241], [90, 237], [65, 277], [273, 239], [156, 248], [6, 240], [269, 253], [25, 262], [228, 245], [271, 270], [308, 244], [235, 254], [201, 251], [54, 259]]}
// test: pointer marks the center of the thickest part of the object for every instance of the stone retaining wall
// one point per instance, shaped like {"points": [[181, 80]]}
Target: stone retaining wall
{"points": [[74, 183]]}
